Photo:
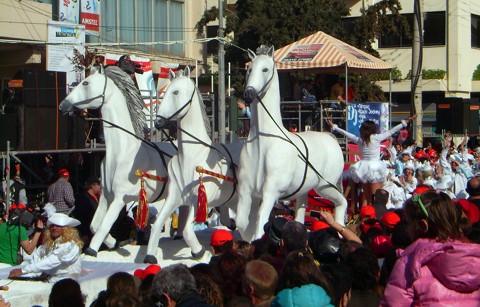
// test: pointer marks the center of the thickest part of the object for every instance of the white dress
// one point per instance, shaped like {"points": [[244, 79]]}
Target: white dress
{"points": [[61, 258], [370, 169]]}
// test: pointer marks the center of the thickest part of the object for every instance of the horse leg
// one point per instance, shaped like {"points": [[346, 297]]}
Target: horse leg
{"points": [[182, 220], [249, 232], [99, 214], [302, 203], [243, 213], [112, 213], [190, 237], [338, 199], [169, 206], [268, 201]]}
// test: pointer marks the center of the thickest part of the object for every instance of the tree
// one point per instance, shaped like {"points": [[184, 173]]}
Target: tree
{"points": [[281, 22]]}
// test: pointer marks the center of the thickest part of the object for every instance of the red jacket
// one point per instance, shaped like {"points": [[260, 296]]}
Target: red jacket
{"points": [[430, 273]]}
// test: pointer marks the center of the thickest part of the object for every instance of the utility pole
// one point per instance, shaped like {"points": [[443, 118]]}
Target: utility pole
{"points": [[221, 76], [417, 59]]}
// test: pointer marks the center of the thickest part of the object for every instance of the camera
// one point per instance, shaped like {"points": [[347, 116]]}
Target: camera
{"points": [[26, 216]]}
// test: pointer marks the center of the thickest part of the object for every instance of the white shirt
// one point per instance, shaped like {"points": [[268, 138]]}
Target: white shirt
{"points": [[62, 258]]}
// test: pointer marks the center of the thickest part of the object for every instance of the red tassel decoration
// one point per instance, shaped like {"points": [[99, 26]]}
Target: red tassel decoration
{"points": [[202, 204], [141, 218]]}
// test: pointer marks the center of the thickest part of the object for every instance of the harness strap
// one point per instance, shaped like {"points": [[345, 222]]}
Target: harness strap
{"points": [[304, 172]]}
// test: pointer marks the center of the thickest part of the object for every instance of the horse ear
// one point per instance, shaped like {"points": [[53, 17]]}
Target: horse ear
{"points": [[271, 51], [251, 54], [186, 72], [171, 74]]}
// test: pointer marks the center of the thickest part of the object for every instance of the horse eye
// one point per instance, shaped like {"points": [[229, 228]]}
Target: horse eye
{"points": [[85, 83], [265, 69], [175, 92]]}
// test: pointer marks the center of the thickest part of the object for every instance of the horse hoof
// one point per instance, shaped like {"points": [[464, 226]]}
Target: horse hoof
{"points": [[232, 225], [199, 254], [178, 237], [90, 251], [150, 259]]}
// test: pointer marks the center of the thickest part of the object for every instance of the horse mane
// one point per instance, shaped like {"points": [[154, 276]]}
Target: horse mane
{"points": [[134, 100], [203, 108]]}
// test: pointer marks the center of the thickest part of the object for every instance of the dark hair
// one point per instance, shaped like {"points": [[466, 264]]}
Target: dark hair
{"points": [[294, 236], [122, 300], [400, 237], [442, 218], [66, 292], [232, 268], [208, 289], [122, 282], [367, 128], [473, 186], [365, 269], [340, 275], [300, 269]]}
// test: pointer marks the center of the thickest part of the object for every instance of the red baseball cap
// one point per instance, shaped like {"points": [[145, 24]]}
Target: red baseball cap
{"points": [[367, 212], [220, 236], [152, 269], [470, 209], [390, 219], [63, 172], [318, 225]]}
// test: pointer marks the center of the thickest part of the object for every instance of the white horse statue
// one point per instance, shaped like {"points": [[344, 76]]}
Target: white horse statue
{"points": [[121, 104], [183, 103], [277, 164]]}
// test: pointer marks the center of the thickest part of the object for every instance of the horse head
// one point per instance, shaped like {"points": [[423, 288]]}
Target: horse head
{"points": [[260, 73], [176, 99], [90, 93]]}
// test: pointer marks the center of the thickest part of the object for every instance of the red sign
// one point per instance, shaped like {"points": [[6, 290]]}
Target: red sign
{"points": [[91, 21]]}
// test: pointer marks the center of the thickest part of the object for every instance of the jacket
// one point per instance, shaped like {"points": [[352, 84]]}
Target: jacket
{"points": [[306, 296], [431, 273]]}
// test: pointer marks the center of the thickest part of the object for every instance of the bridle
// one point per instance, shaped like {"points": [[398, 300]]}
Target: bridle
{"points": [[168, 119], [88, 100], [262, 91]]}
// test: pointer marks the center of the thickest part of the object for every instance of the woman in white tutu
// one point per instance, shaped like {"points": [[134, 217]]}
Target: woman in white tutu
{"points": [[370, 171]]}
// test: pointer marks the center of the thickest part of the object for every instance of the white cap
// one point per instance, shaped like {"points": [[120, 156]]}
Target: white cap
{"points": [[61, 219]]}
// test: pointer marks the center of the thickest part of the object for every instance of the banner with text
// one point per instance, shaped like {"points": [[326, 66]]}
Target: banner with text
{"points": [[69, 11], [63, 38], [90, 16], [358, 112]]}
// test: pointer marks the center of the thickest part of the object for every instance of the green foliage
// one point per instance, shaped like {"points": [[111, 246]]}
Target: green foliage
{"points": [[476, 74], [281, 22], [429, 74], [385, 75]]}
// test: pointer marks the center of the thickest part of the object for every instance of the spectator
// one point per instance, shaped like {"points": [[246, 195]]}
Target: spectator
{"points": [[232, 268], [294, 237], [302, 283], [118, 283], [59, 253], [13, 235], [175, 286], [244, 248], [221, 242], [244, 108], [122, 300], [340, 276], [208, 289], [380, 201], [473, 190], [60, 193], [66, 292], [86, 205], [437, 268], [17, 191], [365, 273], [259, 282]]}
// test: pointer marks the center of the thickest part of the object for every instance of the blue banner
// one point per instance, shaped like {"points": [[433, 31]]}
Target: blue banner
{"points": [[358, 112]]}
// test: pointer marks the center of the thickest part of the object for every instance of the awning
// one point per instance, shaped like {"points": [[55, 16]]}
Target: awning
{"points": [[324, 52]]}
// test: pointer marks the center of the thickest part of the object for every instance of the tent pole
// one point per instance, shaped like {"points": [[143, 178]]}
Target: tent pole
{"points": [[390, 99], [346, 96]]}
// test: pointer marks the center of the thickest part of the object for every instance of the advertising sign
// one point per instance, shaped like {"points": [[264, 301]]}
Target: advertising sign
{"points": [[58, 55], [357, 113], [69, 11], [90, 16]]}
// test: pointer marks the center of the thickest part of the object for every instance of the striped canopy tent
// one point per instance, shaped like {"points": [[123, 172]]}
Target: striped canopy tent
{"points": [[321, 51]]}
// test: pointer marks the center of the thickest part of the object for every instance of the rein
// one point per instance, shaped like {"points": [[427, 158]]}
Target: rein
{"points": [[232, 165], [301, 155]]}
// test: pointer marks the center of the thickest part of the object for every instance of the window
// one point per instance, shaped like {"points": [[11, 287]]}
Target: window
{"points": [[475, 30], [143, 21], [433, 34]]}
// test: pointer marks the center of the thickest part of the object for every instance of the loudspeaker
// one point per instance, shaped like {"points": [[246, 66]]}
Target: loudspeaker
{"points": [[458, 115]]}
